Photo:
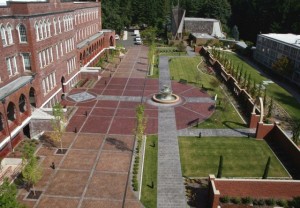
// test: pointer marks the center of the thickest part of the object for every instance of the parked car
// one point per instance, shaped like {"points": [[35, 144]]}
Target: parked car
{"points": [[138, 41]]}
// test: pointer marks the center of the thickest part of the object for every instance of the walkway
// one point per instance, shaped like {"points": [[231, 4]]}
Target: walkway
{"points": [[170, 188], [216, 132]]}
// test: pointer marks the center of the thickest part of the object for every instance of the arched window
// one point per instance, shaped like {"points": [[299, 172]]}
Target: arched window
{"points": [[59, 25], [3, 36], [41, 34], [65, 26], [22, 103], [37, 31], [9, 34], [22, 33], [48, 28], [54, 25], [45, 29]]}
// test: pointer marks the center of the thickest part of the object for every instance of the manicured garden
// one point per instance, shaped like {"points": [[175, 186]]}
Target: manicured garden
{"points": [[242, 157], [225, 115], [149, 186], [280, 95]]}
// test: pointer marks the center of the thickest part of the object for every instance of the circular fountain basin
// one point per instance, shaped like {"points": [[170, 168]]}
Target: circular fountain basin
{"points": [[170, 99]]}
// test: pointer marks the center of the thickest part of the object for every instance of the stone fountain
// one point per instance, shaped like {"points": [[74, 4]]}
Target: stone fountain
{"points": [[165, 96]]}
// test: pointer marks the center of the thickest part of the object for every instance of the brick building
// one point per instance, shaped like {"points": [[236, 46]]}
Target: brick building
{"points": [[44, 45]]}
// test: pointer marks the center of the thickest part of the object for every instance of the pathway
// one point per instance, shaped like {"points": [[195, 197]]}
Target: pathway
{"points": [[170, 188], [216, 132]]}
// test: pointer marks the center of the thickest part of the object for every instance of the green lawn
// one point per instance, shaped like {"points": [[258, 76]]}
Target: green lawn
{"points": [[242, 157], [149, 193], [280, 95], [225, 115]]}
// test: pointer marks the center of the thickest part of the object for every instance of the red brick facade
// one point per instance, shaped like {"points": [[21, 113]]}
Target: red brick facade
{"points": [[280, 189], [49, 41]]}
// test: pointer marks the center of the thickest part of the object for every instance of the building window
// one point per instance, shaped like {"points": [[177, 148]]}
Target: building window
{"points": [[59, 25], [26, 61], [37, 31], [48, 28], [54, 26], [11, 64], [9, 34], [3, 36], [22, 33], [8, 64], [45, 29], [41, 35]]}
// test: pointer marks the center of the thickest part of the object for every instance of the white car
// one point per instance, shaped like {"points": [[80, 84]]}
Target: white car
{"points": [[117, 37], [138, 41]]}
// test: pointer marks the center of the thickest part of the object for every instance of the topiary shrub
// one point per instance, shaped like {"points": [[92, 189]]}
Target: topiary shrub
{"points": [[235, 200], [281, 203], [261, 202], [247, 200], [224, 199], [270, 202]]}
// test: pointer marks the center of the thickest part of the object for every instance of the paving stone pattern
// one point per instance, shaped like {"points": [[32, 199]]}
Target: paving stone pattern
{"points": [[170, 188]]}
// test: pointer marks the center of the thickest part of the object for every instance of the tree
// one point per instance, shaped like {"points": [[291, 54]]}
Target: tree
{"points": [[266, 171], [296, 131], [235, 33], [265, 97], [260, 87], [219, 9], [8, 195], [270, 108], [283, 65], [149, 34], [27, 151], [181, 47], [58, 123], [32, 173], [141, 121], [219, 175]]}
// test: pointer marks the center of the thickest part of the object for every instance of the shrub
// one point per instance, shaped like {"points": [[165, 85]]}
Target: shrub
{"points": [[270, 202], [235, 200], [281, 203], [261, 202], [255, 201], [224, 199], [247, 200]]}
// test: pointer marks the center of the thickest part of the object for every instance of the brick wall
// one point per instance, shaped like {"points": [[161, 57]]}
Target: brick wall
{"points": [[285, 149], [276, 189]]}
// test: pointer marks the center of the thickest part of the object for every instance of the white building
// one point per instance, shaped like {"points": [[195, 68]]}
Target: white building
{"points": [[271, 47]]}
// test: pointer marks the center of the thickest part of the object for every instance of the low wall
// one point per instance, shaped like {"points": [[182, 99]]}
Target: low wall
{"points": [[254, 188], [245, 100], [286, 150]]}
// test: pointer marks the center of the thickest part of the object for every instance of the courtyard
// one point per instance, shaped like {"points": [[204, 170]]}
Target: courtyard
{"points": [[96, 169]]}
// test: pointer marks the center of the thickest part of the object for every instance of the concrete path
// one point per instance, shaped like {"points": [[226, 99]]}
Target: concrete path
{"points": [[190, 51], [170, 188], [216, 132]]}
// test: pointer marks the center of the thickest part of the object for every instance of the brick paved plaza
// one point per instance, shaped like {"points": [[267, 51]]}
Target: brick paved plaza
{"points": [[99, 137]]}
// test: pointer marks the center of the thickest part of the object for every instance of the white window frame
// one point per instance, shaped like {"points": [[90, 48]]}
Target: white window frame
{"points": [[22, 33], [3, 35], [9, 34], [27, 55], [9, 67]]}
